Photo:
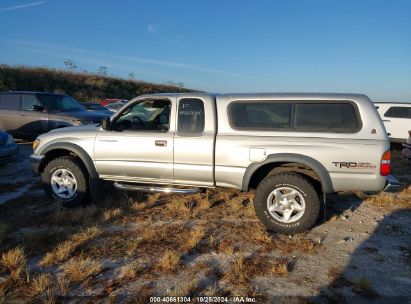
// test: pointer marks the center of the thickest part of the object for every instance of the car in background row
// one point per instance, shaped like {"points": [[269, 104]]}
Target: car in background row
{"points": [[106, 102], [8, 148], [115, 106], [29, 114], [93, 106], [406, 152], [396, 118]]}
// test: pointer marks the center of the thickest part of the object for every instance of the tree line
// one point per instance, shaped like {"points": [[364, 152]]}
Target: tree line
{"points": [[83, 86]]}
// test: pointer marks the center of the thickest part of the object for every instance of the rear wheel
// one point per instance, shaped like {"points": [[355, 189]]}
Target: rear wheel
{"points": [[287, 203], [65, 180]]}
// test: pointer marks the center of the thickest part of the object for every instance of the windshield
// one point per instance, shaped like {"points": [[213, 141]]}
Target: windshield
{"points": [[60, 103], [94, 106]]}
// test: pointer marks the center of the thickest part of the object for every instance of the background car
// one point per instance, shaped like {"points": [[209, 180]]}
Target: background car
{"points": [[115, 106], [29, 114], [8, 148], [396, 118], [106, 102], [406, 152], [93, 106]]}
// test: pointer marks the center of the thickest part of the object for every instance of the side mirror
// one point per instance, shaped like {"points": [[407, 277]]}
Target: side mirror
{"points": [[36, 108], [105, 123]]}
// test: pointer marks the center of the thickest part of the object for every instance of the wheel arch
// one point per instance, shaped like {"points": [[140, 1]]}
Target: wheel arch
{"points": [[258, 171], [60, 149]]}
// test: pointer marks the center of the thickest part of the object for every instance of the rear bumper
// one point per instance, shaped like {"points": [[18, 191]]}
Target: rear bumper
{"points": [[392, 184], [35, 162], [8, 152]]}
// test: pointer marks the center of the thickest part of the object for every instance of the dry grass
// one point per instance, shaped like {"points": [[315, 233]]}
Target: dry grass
{"points": [[40, 283], [50, 297], [111, 214], [14, 261], [148, 233], [79, 216], [391, 200], [280, 267], [138, 206], [195, 237], [131, 246], [129, 271], [65, 249], [63, 284], [260, 234], [153, 198], [243, 269], [238, 272], [182, 203], [169, 261], [185, 290], [226, 247], [364, 287], [78, 269]]}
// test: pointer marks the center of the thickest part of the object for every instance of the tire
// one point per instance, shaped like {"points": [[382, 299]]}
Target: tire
{"points": [[65, 180], [287, 203]]}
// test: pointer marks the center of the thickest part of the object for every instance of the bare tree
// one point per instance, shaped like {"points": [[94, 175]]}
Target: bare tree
{"points": [[102, 71], [70, 64]]}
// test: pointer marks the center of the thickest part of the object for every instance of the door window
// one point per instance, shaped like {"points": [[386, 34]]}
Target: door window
{"points": [[149, 115], [10, 101], [190, 116], [27, 101]]}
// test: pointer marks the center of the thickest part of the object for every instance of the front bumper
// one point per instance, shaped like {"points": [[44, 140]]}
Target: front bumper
{"points": [[392, 184], [35, 162], [8, 152]]}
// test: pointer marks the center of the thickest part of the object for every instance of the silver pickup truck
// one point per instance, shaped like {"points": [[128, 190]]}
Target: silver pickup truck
{"points": [[291, 148]]}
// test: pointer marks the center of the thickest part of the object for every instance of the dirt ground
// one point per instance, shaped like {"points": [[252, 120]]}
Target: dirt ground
{"points": [[131, 247]]}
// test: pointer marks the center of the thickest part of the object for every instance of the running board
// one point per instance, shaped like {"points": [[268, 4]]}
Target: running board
{"points": [[143, 188]]}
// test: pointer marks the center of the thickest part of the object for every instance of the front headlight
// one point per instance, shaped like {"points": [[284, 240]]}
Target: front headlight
{"points": [[10, 140], [36, 144]]}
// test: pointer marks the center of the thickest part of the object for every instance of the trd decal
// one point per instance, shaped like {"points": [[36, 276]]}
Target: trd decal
{"points": [[354, 165]]}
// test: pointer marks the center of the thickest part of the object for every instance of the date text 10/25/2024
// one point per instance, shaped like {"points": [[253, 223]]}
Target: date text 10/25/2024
{"points": [[205, 299]]}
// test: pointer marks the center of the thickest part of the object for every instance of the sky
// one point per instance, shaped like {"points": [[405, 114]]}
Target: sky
{"points": [[347, 46]]}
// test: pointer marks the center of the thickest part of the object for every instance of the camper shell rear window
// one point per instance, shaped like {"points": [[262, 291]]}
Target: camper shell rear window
{"points": [[297, 116]]}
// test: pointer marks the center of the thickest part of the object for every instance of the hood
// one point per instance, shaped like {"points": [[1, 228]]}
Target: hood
{"points": [[93, 116], [92, 128]]}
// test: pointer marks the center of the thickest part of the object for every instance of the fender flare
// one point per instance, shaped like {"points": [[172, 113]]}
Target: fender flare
{"points": [[318, 168], [79, 151]]}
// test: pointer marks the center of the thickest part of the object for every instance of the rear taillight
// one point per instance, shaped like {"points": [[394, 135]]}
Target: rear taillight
{"points": [[409, 133], [385, 166]]}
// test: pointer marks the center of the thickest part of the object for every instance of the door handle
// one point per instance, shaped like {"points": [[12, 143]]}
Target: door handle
{"points": [[161, 143], [386, 120], [24, 115]]}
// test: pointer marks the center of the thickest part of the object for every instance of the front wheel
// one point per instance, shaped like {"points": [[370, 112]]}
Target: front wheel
{"points": [[287, 203], [65, 179]]}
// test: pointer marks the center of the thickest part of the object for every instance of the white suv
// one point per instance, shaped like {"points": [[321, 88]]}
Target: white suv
{"points": [[396, 118]]}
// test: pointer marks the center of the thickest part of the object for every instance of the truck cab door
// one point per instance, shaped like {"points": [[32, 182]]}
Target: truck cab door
{"points": [[194, 141], [139, 145]]}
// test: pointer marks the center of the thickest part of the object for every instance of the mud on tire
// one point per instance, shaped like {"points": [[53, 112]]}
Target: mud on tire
{"points": [[75, 169], [304, 192]]}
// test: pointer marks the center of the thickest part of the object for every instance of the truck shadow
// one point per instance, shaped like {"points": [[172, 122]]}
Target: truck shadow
{"points": [[379, 269]]}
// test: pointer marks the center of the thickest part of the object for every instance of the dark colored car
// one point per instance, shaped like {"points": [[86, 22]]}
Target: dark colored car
{"points": [[8, 148], [29, 114], [92, 106]]}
